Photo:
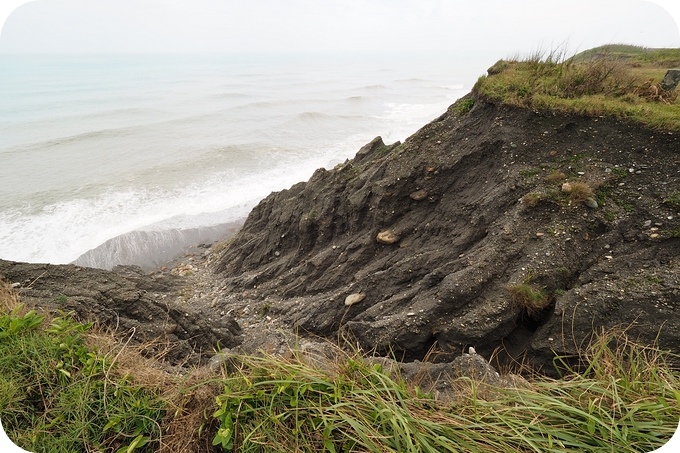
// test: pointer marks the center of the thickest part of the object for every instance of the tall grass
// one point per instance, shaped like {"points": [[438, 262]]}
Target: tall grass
{"points": [[57, 395], [58, 392], [625, 400], [605, 83]]}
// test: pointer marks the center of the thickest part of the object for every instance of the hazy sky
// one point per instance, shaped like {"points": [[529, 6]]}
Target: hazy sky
{"points": [[328, 25]]}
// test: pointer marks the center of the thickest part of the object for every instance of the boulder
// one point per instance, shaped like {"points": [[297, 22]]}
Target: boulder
{"points": [[671, 80]]}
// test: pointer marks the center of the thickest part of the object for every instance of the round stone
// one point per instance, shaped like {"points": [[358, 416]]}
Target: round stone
{"points": [[354, 299]]}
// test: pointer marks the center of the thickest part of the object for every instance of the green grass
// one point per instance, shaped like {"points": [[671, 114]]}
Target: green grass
{"points": [[59, 393], [531, 299], [601, 82], [632, 54], [625, 399]]}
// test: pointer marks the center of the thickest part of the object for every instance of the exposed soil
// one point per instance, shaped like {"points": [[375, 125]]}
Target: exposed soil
{"points": [[427, 235], [466, 210]]}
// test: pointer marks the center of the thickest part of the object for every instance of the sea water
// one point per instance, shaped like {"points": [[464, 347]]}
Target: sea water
{"points": [[125, 159]]}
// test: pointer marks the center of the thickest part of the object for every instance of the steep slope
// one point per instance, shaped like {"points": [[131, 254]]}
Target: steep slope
{"points": [[441, 234]]}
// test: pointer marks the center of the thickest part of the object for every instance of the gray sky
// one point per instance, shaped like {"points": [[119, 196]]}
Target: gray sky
{"points": [[333, 25]]}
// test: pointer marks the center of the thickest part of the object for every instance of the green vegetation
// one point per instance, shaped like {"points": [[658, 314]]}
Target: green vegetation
{"points": [[531, 299], [462, 106], [673, 200], [64, 388], [620, 81], [532, 198], [624, 400], [635, 55], [57, 395]]}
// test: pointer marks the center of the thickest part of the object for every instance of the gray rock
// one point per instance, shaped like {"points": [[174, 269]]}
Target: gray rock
{"points": [[127, 301], [671, 79], [454, 261], [590, 202], [477, 368]]}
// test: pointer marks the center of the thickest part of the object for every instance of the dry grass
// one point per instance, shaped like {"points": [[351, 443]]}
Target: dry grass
{"points": [[555, 177], [579, 191]]}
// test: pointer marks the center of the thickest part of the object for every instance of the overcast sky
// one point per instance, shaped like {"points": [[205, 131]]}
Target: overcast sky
{"points": [[332, 25]]}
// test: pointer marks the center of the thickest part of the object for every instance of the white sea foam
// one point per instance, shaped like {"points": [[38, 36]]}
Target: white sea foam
{"points": [[99, 148]]}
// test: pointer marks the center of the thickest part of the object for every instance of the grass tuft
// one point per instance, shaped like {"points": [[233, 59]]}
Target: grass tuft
{"points": [[531, 299], [623, 399], [579, 191]]}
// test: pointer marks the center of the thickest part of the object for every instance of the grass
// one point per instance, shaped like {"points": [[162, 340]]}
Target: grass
{"points": [[622, 81], [531, 299], [579, 191], [63, 387], [66, 386], [57, 395], [555, 177], [625, 399]]}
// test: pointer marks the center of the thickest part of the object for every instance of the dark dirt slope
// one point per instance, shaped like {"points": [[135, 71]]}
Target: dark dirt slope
{"points": [[470, 211]]}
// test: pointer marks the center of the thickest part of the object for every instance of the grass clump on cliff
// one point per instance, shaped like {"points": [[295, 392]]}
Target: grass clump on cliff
{"points": [[619, 81], [531, 299]]}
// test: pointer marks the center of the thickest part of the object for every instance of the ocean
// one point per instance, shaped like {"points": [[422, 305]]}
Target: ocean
{"points": [[128, 159]]}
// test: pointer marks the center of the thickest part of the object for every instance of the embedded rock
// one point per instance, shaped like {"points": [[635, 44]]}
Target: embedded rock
{"points": [[387, 237], [671, 80]]}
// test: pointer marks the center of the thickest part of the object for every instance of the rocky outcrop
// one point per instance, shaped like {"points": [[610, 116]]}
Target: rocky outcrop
{"points": [[515, 232], [433, 233], [129, 302]]}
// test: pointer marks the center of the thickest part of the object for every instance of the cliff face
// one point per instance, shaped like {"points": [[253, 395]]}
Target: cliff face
{"points": [[441, 234], [515, 232]]}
